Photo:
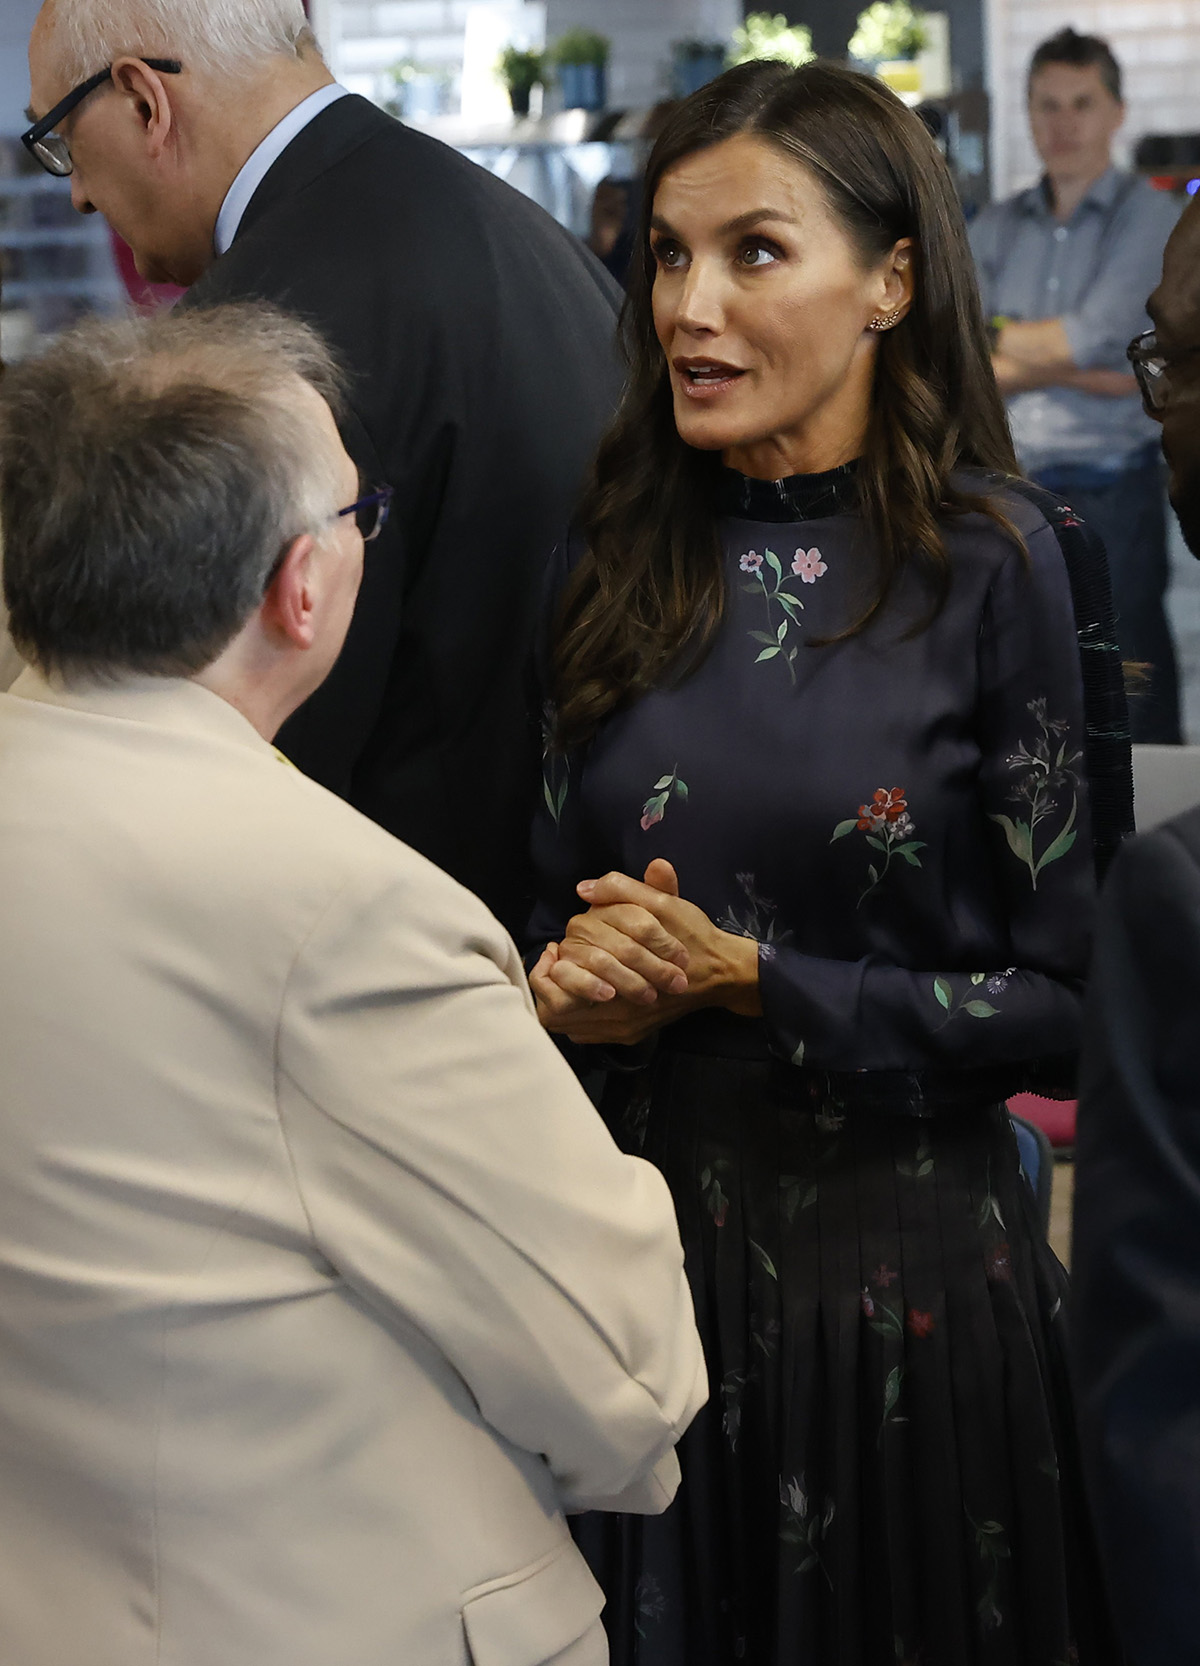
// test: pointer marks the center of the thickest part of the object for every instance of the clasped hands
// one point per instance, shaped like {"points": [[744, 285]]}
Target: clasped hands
{"points": [[638, 958]]}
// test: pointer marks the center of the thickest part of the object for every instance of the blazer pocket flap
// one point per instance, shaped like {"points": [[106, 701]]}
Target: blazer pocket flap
{"points": [[534, 1614]]}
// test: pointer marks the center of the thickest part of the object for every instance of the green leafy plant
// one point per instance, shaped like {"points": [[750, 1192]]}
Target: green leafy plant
{"points": [[887, 30], [773, 37], [520, 69], [581, 46]]}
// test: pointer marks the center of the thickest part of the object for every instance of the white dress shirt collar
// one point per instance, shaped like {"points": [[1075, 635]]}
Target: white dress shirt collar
{"points": [[237, 199]]}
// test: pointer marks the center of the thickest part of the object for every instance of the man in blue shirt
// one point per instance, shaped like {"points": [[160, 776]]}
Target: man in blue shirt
{"points": [[1064, 270]]}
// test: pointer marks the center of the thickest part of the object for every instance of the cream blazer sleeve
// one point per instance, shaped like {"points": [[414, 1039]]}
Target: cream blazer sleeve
{"points": [[459, 1180]]}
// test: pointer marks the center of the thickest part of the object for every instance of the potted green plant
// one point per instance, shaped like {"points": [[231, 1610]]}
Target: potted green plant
{"points": [[694, 63], [888, 31], [889, 37], [771, 36], [521, 71], [581, 58]]}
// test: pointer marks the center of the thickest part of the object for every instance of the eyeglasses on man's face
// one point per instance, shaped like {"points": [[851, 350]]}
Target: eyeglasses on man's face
{"points": [[370, 516], [1150, 366], [50, 148], [371, 512]]}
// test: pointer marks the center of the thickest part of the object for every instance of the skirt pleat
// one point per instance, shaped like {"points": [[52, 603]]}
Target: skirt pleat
{"points": [[886, 1472]]}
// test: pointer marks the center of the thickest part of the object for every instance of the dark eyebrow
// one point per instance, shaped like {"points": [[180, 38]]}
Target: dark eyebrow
{"points": [[740, 222]]}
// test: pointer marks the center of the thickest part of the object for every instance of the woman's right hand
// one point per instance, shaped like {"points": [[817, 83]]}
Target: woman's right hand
{"points": [[598, 1018], [614, 968]]}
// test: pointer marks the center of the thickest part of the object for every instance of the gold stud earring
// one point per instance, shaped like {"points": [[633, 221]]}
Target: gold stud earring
{"points": [[886, 322]]}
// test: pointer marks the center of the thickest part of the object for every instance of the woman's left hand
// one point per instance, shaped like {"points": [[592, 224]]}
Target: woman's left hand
{"points": [[721, 968]]}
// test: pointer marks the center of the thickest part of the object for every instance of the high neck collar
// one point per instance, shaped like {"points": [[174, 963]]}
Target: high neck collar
{"points": [[799, 497]]}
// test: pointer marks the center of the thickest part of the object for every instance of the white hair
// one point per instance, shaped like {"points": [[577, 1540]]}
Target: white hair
{"points": [[228, 38]]}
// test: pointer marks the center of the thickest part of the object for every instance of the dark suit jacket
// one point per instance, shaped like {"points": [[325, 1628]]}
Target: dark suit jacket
{"points": [[1136, 1259], [479, 335]]}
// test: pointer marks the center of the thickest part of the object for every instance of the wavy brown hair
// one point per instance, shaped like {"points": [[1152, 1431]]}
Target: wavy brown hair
{"points": [[648, 593]]}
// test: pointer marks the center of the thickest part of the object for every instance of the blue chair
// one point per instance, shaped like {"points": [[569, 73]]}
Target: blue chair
{"points": [[1037, 1165]]}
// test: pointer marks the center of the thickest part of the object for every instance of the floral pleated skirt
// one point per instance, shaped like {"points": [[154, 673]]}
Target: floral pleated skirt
{"points": [[886, 1471]]}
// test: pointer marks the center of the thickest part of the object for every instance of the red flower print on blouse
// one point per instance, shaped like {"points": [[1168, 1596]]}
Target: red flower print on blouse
{"points": [[887, 804], [919, 1323]]}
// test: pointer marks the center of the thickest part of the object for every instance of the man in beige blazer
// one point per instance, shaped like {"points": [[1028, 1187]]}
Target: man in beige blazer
{"points": [[323, 1292]]}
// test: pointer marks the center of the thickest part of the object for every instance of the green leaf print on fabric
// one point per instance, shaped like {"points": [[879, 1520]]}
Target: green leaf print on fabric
{"points": [[555, 796], [655, 807], [991, 1544], [755, 917], [967, 1000], [715, 1196], [650, 1603], [1045, 781], [804, 1526], [556, 768], [921, 1165]]}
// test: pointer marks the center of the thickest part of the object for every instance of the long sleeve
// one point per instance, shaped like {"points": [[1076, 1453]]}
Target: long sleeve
{"points": [[1137, 1241], [1039, 878], [458, 1179]]}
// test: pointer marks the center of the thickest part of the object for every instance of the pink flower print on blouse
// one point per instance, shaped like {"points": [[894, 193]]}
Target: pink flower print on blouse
{"points": [[808, 566], [751, 561]]}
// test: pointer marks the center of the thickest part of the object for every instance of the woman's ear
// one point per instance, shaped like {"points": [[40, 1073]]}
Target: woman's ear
{"points": [[899, 277]]}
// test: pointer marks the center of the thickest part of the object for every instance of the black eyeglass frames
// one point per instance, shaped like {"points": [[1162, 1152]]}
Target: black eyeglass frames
{"points": [[371, 512], [370, 516], [50, 148], [1150, 366]]}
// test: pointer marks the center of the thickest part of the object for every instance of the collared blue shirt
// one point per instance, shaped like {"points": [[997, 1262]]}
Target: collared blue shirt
{"points": [[261, 160], [1094, 272]]}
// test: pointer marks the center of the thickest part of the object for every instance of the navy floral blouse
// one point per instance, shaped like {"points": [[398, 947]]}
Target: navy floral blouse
{"points": [[902, 819]]}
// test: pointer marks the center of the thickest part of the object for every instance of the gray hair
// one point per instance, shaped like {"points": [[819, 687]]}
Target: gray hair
{"points": [[152, 472], [228, 38]]}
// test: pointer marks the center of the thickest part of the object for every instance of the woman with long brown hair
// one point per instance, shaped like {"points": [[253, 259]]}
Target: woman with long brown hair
{"points": [[836, 756]]}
